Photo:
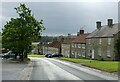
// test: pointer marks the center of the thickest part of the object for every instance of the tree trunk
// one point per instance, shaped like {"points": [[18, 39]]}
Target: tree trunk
{"points": [[26, 56], [22, 57]]}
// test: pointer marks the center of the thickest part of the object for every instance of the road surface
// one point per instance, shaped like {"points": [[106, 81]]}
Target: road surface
{"points": [[53, 69]]}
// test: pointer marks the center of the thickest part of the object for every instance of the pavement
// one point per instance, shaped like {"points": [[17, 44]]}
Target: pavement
{"points": [[12, 70]]}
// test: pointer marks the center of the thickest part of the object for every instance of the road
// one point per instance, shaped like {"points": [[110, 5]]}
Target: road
{"points": [[53, 69]]}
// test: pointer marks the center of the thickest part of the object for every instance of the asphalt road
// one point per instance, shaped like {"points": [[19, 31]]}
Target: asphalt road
{"points": [[52, 69]]}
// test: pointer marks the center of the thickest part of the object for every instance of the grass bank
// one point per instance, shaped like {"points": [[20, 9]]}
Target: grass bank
{"points": [[35, 56], [108, 66]]}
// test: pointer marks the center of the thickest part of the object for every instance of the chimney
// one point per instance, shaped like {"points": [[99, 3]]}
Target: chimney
{"points": [[69, 35], [110, 22], [98, 24], [78, 33], [81, 31]]}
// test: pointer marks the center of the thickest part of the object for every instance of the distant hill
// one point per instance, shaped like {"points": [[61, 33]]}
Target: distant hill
{"points": [[50, 38]]}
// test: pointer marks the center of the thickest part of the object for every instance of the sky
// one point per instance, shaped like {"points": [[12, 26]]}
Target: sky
{"points": [[61, 18]]}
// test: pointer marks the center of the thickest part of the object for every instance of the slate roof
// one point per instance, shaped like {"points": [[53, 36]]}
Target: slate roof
{"points": [[105, 31], [80, 38]]}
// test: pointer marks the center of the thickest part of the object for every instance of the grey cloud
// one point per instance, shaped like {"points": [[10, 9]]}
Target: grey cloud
{"points": [[63, 18]]}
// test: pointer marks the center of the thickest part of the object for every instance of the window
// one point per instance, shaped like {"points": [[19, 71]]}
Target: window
{"points": [[83, 54], [89, 41], [75, 54], [83, 46], [109, 40], [99, 51], [72, 52], [72, 45], [79, 53], [79, 45], [75, 45], [100, 40], [108, 52]]}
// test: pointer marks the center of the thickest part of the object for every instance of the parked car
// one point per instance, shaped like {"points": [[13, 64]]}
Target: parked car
{"points": [[1, 55], [57, 55], [60, 55], [48, 55], [8, 55]]}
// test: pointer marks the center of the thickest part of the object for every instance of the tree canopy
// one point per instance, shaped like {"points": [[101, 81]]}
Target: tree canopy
{"points": [[19, 32]]}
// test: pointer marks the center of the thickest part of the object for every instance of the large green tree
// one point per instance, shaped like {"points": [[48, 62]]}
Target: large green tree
{"points": [[19, 32]]}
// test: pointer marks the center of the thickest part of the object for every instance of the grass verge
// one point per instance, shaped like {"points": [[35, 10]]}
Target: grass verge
{"points": [[35, 56], [108, 66]]}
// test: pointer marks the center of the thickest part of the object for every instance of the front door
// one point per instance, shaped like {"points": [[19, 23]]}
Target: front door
{"points": [[92, 53]]}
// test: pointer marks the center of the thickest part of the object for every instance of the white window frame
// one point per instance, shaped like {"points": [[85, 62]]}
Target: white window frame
{"points": [[108, 52], [73, 45], [99, 52], [89, 41], [109, 41], [100, 41], [83, 46], [83, 54], [76, 54], [73, 53], [79, 45]]}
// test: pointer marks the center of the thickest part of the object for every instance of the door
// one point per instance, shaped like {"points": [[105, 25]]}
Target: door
{"points": [[92, 53]]}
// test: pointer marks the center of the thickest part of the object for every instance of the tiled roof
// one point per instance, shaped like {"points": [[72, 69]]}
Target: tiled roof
{"points": [[81, 38], [55, 44], [105, 31], [68, 40]]}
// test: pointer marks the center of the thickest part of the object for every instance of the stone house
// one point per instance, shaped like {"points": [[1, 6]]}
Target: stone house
{"points": [[100, 43], [78, 45], [66, 46], [53, 47]]}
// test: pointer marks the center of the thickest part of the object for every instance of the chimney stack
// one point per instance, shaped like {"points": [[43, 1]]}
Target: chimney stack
{"points": [[69, 35], [110, 22], [78, 33], [81, 31], [98, 23]]}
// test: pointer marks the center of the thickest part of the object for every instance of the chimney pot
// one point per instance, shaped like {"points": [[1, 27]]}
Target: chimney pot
{"points": [[78, 33], [81, 32], [110, 22], [69, 35], [98, 23]]}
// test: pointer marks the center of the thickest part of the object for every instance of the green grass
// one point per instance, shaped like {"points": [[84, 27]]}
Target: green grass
{"points": [[35, 56], [108, 66]]}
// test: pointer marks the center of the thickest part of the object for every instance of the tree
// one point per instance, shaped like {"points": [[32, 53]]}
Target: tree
{"points": [[117, 46], [19, 32]]}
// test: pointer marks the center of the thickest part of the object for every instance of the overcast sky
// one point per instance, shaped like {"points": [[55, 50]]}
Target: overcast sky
{"points": [[61, 18]]}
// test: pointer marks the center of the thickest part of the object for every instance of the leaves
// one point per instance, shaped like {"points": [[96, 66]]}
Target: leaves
{"points": [[19, 32]]}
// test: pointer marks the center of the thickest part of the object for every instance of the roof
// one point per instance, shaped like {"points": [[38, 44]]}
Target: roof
{"points": [[80, 38], [105, 31], [55, 44], [68, 40]]}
